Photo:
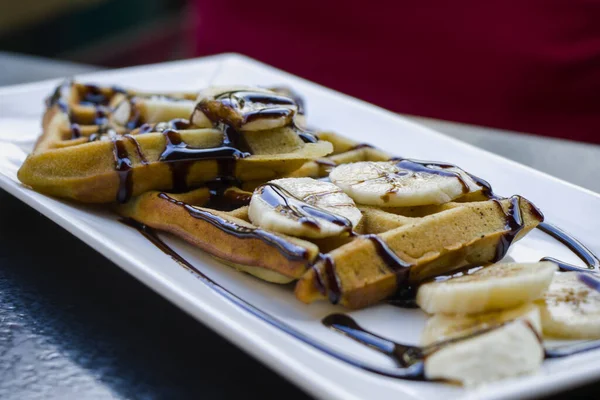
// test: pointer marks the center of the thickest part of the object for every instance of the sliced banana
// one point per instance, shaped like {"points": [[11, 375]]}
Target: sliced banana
{"points": [[152, 109], [570, 309], [244, 108], [402, 183], [509, 350], [497, 287], [442, 327], [303, 207]]}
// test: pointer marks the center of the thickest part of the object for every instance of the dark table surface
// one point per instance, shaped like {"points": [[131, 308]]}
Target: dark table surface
{"points": [[74, 325]]}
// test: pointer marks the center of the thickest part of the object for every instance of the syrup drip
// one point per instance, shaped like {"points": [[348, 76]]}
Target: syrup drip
{"points": [[433, 168], [327, 282], [75, 131], [138, 149], [123, 167], [514, 222], [590, 259], [361, 146], [413, 372], [180, 157], [409, 358]]}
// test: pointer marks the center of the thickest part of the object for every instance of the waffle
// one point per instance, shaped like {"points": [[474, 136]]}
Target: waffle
{"points": [[107, 144], [145, 156]]}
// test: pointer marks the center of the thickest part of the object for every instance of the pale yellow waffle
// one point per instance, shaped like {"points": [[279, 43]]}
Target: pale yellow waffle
{"points": [[311, 230], [104, 144]]}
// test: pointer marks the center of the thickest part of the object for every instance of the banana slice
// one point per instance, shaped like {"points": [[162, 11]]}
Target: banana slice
{"points": [[402, 183], [497, 287], [509, 350], [570, 309], [303, 207], [442, 327], [244, 108]]}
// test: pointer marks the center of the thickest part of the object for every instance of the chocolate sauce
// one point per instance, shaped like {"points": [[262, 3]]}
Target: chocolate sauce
{"points": [[223, 199], [361, 146], [180, 157], [286, 203], [75, 131], [589, 281], [326, 279], [413, 372], [179, 124], [429, 167], [101, 119], [237, 99], [289, 250], [514, 224], [56, 98], [407, 355], [408, 358], [325, 162], [92, 95], [306, 136], [123, 167], [235, 138], [135, 117], [145, 128], [590, 259], [404, 356], [400, 267], [286, 91], [138, 149]]}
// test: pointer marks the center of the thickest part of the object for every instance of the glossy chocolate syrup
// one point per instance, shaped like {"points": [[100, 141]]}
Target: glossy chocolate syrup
{"points": [[415, 371], [514, 224], [138, 149], [306, 136], [403, 355], [361, 146], [433, 168], [75, 131], [327, 282], [308, 215], [408, 358], [123, 167], [590, 259], [289, 250], [224, 198], [180, 156], [326, 279], [407, 355]]}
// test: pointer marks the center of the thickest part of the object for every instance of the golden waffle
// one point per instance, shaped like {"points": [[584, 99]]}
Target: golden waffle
{"points": [[105, 144], [388, 253]]}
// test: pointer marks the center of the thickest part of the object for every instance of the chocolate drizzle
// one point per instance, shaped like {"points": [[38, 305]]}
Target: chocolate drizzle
{"points": [[138, 149], [590, 259], [289, 250], [308, 215], [123, 167], [430, 167], [361, 146], [326, 279], [514, 224], [413, 372], [180, 157], [405, 356]]}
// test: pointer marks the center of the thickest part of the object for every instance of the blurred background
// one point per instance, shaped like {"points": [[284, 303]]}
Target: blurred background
{"points": [[522, 66]]}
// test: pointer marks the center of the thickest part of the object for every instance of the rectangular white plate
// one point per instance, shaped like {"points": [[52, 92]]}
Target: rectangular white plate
{"points": [[572, 208]]}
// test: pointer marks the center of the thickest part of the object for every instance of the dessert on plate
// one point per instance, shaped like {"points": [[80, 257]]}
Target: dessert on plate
{"points": [[235, 171]]}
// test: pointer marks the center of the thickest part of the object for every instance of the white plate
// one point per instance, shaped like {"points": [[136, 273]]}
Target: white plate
{"points": [[574, 209]]}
